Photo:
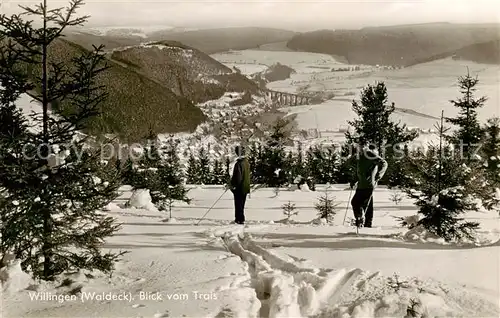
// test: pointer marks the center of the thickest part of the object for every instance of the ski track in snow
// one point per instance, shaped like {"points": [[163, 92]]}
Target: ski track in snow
{"points": [[274, 286]]}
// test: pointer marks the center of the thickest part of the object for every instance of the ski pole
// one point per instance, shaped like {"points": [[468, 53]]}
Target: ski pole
{"points": [[369, 201], [212, 206], [371, 196], [347, 207]]}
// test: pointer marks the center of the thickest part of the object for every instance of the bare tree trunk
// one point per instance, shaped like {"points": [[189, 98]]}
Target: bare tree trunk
{"points": [[440, 160], [47, 224]]}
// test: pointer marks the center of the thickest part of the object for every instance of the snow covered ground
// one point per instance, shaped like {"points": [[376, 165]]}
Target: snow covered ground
{"points": [[302, 62], [271, 268]]}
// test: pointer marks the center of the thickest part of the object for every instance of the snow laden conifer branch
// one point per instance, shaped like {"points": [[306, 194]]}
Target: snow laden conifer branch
{"points": [[55, 184], [443, 189], [491, 149], [470, 141]]}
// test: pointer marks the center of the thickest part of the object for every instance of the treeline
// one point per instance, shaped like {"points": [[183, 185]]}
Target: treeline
{"points": [[458, 173], [274, 164]]}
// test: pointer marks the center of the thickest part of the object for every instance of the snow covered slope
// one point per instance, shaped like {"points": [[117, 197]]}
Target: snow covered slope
{"points": [[273, 269]]}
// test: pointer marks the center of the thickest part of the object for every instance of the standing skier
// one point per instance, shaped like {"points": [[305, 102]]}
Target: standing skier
{"points": [[370, 169], [240, 185]]}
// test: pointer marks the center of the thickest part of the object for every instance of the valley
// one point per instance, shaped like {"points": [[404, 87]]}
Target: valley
{"points": [[228, 91], [242, 60], [419, 92]]}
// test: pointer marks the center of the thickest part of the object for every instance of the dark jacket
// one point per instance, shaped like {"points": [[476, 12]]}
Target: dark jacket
{"points": [[370, 169], [240, 181]]}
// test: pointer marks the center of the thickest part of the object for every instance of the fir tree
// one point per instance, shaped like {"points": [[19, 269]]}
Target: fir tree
{"points": [[302, 172], [49, 213], [289, 210], [274, 156], [227, 169], [257, 164], [326, 207], [469, 134], [491, 150], [396, 161], [312, 164], [169, 185], [466, 140], [346, 172], [127, 172], [252, 156], [203, 166], [145, 172], [298, 164], [325, 161], [218, 173], [375, 127], [192, 174], [443, 188], [290, 163]]}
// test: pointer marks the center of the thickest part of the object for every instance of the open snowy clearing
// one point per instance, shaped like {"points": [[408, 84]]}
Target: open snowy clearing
{"points": [[269, 268]]}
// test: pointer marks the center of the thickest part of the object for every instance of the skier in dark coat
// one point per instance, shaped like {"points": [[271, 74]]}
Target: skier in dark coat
{"points": [[240, 185], [370, 169]]}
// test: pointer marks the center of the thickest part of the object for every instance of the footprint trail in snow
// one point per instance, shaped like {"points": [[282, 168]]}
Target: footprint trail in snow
{"points": [[284, 286]]}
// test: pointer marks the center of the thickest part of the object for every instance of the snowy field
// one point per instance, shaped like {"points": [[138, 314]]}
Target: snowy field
{"points": [[303, 63], [424, 89], [272, 269]]}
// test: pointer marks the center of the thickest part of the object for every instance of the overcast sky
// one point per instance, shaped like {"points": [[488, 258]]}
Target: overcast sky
{"points": [[289, 14]]}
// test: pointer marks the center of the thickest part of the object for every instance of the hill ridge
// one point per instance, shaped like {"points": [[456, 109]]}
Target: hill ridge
{"points": [[396, 46], [135, 103], [206, 40], [185, 70]]}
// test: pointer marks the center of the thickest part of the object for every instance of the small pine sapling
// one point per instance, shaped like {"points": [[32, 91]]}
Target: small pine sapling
{"points": [[289, 210], [397, 197], [396, 284], [326, 207], [408, 221], [172, 194]]}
